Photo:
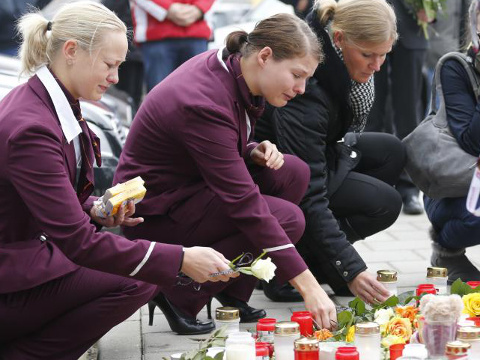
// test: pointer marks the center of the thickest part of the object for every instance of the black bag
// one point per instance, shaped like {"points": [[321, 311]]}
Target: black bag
{"points": [[435, 162]]}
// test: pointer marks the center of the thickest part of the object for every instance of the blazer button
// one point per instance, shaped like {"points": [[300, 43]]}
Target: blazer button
{"points": [[338, 263], [43, 238], [345, 273], [353, 154]]}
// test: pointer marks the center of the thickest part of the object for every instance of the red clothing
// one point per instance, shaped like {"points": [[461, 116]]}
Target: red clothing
{"points": [[150, 21]]}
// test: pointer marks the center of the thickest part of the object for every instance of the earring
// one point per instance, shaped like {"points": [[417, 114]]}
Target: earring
{"points": [[69, 62]]}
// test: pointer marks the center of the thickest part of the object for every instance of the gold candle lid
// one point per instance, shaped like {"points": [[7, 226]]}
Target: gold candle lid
{"points": [[306, 344], [456, 348], [285, 328], [436, 272], [386, 276], [367, 328], [468, 333], [227, 313]]}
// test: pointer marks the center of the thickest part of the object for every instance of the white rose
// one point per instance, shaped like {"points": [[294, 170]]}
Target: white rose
{"points": [[383, 316], [264, 269]]}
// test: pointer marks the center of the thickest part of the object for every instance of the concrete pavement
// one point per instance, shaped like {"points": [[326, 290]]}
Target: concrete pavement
{"points": [[404, 247]]}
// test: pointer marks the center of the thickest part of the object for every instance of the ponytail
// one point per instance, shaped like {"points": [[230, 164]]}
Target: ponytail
{"points": [[32, 29], [236, 41], [325, 10]]}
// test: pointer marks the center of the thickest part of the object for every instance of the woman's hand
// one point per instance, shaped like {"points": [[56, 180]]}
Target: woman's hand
{"points": [[200, 262], [368, 288], [267, 154], [316, 300], [121, 218]]}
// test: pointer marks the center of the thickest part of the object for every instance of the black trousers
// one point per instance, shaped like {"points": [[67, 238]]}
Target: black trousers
{"points": [[367, 198]]}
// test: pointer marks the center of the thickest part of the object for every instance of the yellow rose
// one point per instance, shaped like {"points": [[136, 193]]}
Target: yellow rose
{"points": [[399, 327], [350, 334], [392, 339], [472, 304]]}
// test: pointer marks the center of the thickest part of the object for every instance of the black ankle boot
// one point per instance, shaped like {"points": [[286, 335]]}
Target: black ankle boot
{"points": [[178, 322], [247, 313], [281, 292]]}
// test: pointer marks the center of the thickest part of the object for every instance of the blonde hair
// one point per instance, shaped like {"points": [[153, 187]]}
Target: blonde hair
{"points": [[372, 21], [287, 35], [83, 21]]}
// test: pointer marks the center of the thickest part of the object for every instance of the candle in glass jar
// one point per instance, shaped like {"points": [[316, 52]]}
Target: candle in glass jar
{"points": [[457, 350], [347, 353], [389, 279], [262, 351], [286, 332], [265, 329], [470, 335], [438, 277], [305, 320], [228, 317], [367, 340], [240, 346], [306, 349]]}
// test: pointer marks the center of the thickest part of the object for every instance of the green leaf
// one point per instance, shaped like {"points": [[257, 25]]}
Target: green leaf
{"points": [[344, 318], [391, 301], [357, 305], [219, 356], [457, 287], [405, 297]]}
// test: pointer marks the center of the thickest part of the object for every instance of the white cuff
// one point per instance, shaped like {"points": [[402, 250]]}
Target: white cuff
{"points": [[278, 248], [147, 255]]}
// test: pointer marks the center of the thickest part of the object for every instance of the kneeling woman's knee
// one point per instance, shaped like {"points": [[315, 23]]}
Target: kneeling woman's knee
{"points": [[298, 172], [295, 224]]}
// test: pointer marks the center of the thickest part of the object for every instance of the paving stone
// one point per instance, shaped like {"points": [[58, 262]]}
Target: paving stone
{"points": [[123, 342], [385, 255]]}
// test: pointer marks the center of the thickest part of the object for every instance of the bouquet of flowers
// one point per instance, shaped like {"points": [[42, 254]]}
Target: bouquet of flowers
{"points": [[397, 320], [430, 8]]}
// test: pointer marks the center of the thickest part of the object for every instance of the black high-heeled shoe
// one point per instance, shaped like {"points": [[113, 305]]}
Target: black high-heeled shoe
{"points": [[247, 313], [281, 292], [178, 322]]}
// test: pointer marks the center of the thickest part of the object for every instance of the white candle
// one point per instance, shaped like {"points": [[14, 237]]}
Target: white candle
{"points": [[240, 352]]}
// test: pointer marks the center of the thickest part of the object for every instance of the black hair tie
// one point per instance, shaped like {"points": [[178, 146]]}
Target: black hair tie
{"points": [[49, 26]]}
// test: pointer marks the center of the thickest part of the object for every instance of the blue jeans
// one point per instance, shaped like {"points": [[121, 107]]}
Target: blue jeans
{"points": [[162, 57], [455, 225]]}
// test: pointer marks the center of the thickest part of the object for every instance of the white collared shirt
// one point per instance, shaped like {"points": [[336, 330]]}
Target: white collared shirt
{"points": [[68, 121]]}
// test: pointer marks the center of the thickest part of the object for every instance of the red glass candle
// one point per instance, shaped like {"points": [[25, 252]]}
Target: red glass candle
{"points": [[305, 320], [265, 330], [476, 320], [262, 351], [269, 346], [306, 349], [347, 353], [473, 284], [396, 350]]}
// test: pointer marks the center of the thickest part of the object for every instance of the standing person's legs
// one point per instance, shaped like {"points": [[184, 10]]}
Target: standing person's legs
{"points": [[406, 93], [377, 119], [190, 48], [159, 59], [62, 318]]}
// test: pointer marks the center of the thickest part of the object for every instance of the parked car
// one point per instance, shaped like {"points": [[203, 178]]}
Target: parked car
{"points": [[247, 21], [101, 118]]}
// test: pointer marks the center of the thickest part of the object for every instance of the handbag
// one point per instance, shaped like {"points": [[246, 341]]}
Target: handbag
{"points": [[435, 162]]}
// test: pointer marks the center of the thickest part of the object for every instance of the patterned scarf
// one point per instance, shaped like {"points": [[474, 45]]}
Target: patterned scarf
{"points": [[254, 105], [362, 96]]}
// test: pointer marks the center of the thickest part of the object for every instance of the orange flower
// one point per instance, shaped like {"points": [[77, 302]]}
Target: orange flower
{"points": [[400, 327], [408, 312], [323, 334]]}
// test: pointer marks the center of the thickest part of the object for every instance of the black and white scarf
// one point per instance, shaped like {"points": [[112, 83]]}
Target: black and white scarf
{"points": [[362, 96]]}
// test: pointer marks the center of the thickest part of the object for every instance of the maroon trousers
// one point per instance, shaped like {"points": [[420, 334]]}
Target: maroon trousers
{"points": [[63, 318], [282, 190]]}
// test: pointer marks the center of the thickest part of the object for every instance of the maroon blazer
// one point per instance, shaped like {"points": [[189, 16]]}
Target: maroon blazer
{"points": [[37, 173], [190, 133]]}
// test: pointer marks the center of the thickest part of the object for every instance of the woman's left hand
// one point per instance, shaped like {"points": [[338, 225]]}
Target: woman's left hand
{"points": [[368, 288], [267, 154], [121, 218]]}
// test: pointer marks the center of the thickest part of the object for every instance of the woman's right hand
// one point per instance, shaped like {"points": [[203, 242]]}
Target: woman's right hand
{"points": [[316, 300], [200, 262]]}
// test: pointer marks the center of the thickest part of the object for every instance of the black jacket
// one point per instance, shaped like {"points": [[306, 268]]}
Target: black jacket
{"points": [[310, 126]]}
